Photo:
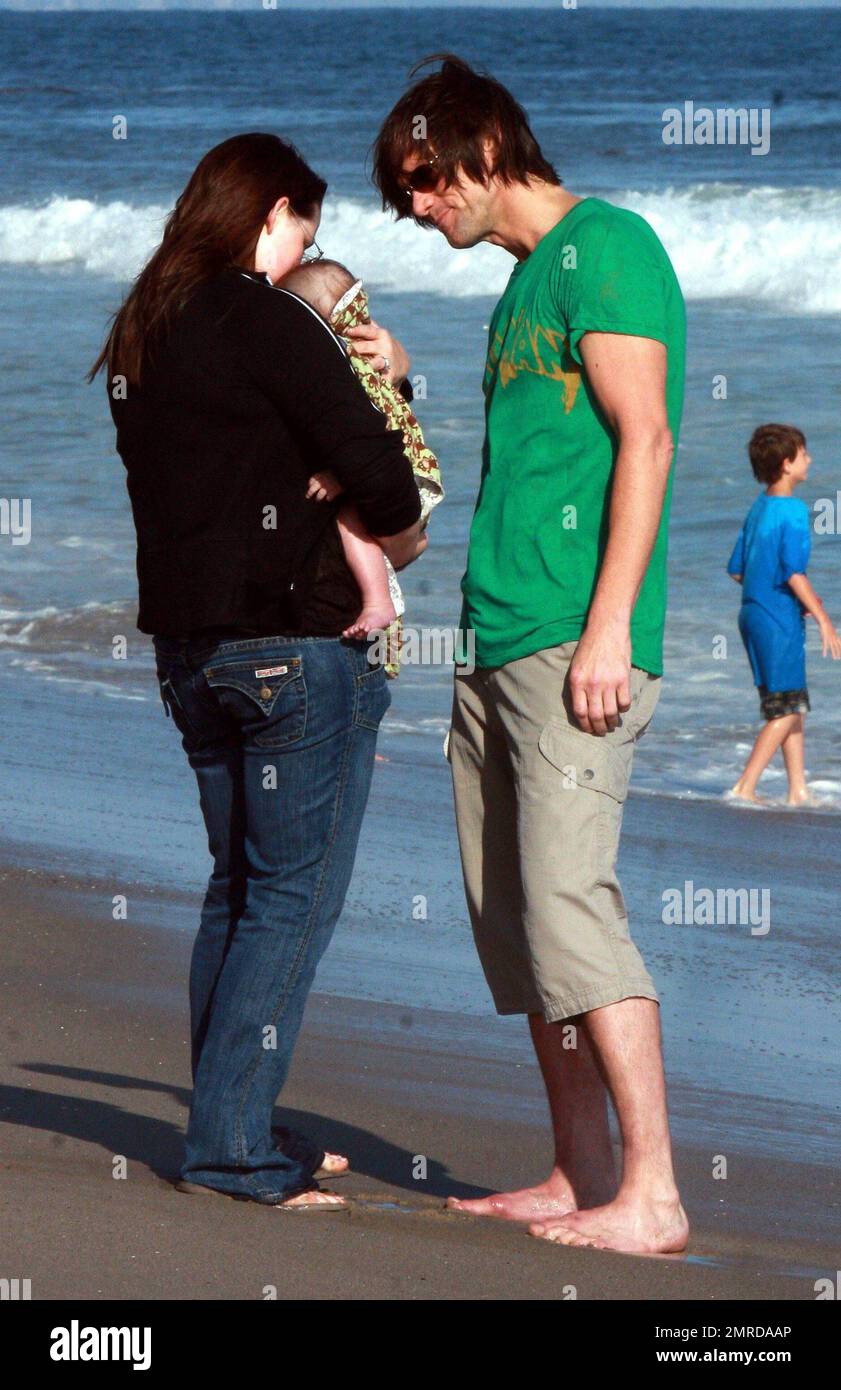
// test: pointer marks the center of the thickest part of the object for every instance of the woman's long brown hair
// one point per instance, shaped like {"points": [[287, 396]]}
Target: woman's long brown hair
{"points": [[215, 223]]}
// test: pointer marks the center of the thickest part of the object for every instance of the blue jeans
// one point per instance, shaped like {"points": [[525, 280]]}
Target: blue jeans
{"points": [[281, 734]]}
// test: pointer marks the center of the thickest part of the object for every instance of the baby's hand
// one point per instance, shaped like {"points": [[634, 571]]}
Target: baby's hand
{"points": [[324, 487]]}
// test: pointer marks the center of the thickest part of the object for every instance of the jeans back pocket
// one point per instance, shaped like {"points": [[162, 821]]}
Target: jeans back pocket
{"points": [[265, 695], [373, 698]]}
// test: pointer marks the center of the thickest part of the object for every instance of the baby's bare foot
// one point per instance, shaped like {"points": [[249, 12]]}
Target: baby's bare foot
{"points": [[374, 617]]}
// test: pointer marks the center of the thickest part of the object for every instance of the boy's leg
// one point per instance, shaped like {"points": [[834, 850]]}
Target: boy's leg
{"points": [[769, 739], [367, 564], [794, 758]]}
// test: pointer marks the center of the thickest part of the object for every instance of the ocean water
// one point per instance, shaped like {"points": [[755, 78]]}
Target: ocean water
{"points": [[756, 242], [92, 775]]}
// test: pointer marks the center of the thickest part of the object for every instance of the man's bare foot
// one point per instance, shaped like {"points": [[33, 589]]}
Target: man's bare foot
{"points": [[548, 1199], [636, 1228], [374, 617]]}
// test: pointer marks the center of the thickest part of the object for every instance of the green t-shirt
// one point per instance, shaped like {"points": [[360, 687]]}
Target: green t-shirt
{"points": [[540, 526]]}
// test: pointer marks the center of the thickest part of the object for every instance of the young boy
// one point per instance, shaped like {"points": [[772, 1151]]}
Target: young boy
{"points": [[339, 298], [769, 560]]}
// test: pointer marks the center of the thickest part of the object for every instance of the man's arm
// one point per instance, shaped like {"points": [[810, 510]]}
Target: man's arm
{"points": [[628, 377]]}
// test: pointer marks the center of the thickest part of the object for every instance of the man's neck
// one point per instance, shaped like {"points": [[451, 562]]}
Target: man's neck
{"points": [[525, 213]]}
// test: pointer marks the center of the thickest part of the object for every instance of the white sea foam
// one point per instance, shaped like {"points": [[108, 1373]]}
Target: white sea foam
{"points": [[780, 247]]}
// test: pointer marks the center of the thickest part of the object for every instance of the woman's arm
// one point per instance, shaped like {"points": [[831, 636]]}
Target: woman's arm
{"points": [[303, 368], [373, 341]]}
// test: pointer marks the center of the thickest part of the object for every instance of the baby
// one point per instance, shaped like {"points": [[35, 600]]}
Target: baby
{"points": [[340, 299]]}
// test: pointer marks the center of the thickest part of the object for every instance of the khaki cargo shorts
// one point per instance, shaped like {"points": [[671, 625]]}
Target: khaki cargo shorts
{"points": [[539, 809]]}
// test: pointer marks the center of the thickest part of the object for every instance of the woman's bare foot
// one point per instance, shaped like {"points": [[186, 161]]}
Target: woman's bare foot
{"points": [[548, 1199], [316, 1199], [373, 618], [636, 1228]]}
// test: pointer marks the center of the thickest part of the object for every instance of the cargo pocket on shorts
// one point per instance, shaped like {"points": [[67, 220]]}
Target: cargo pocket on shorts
{"points": [[585, 761], [589, 763]]}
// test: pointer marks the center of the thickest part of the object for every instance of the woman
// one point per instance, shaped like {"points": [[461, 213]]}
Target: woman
{"points": [[227, 394]]}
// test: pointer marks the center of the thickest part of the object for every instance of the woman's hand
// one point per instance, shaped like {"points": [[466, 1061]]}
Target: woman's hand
{"points": [[384, 352], [324, 487]]}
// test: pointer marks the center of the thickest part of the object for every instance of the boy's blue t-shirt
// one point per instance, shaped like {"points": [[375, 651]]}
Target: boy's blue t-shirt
{"points": [[773, 544]]}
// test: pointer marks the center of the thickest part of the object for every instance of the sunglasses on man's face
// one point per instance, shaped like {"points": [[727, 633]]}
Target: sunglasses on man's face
{"points": [[424, 178]]}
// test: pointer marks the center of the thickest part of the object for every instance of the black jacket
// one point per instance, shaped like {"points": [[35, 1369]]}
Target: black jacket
{"points": [[250, 394]]}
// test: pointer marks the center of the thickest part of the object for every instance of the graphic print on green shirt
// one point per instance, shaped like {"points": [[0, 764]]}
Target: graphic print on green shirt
{"points": [[540, 526]]}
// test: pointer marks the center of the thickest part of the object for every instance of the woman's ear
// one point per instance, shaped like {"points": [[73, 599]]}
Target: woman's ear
{"points": [[279, 207]]}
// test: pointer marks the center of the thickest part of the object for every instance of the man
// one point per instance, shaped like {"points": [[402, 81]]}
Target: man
{"points": [[565, 592]]}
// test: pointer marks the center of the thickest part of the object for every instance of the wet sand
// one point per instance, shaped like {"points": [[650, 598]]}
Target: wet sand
{"points": [[96, 1066]]}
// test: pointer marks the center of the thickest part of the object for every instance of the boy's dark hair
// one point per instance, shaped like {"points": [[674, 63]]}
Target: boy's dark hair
{"points": [[460, 108], [770, 446]]}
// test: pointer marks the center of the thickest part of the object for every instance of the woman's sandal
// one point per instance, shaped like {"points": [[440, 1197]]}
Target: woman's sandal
{"points": [[297, 1146], [314, 1199], [305, 1199]]}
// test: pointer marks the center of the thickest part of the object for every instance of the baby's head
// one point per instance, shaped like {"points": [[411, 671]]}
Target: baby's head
{"points": [[321, 283]]}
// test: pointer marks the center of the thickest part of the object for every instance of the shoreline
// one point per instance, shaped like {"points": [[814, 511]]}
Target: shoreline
{"points": [[97, 1065]]}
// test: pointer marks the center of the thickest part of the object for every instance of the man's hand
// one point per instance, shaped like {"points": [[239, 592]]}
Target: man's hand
{"points": [[382, 350], [600, 676], [324, 486]]}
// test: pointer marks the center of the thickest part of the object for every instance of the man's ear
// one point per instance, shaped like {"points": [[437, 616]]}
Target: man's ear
{"points": [[490, 153]]}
